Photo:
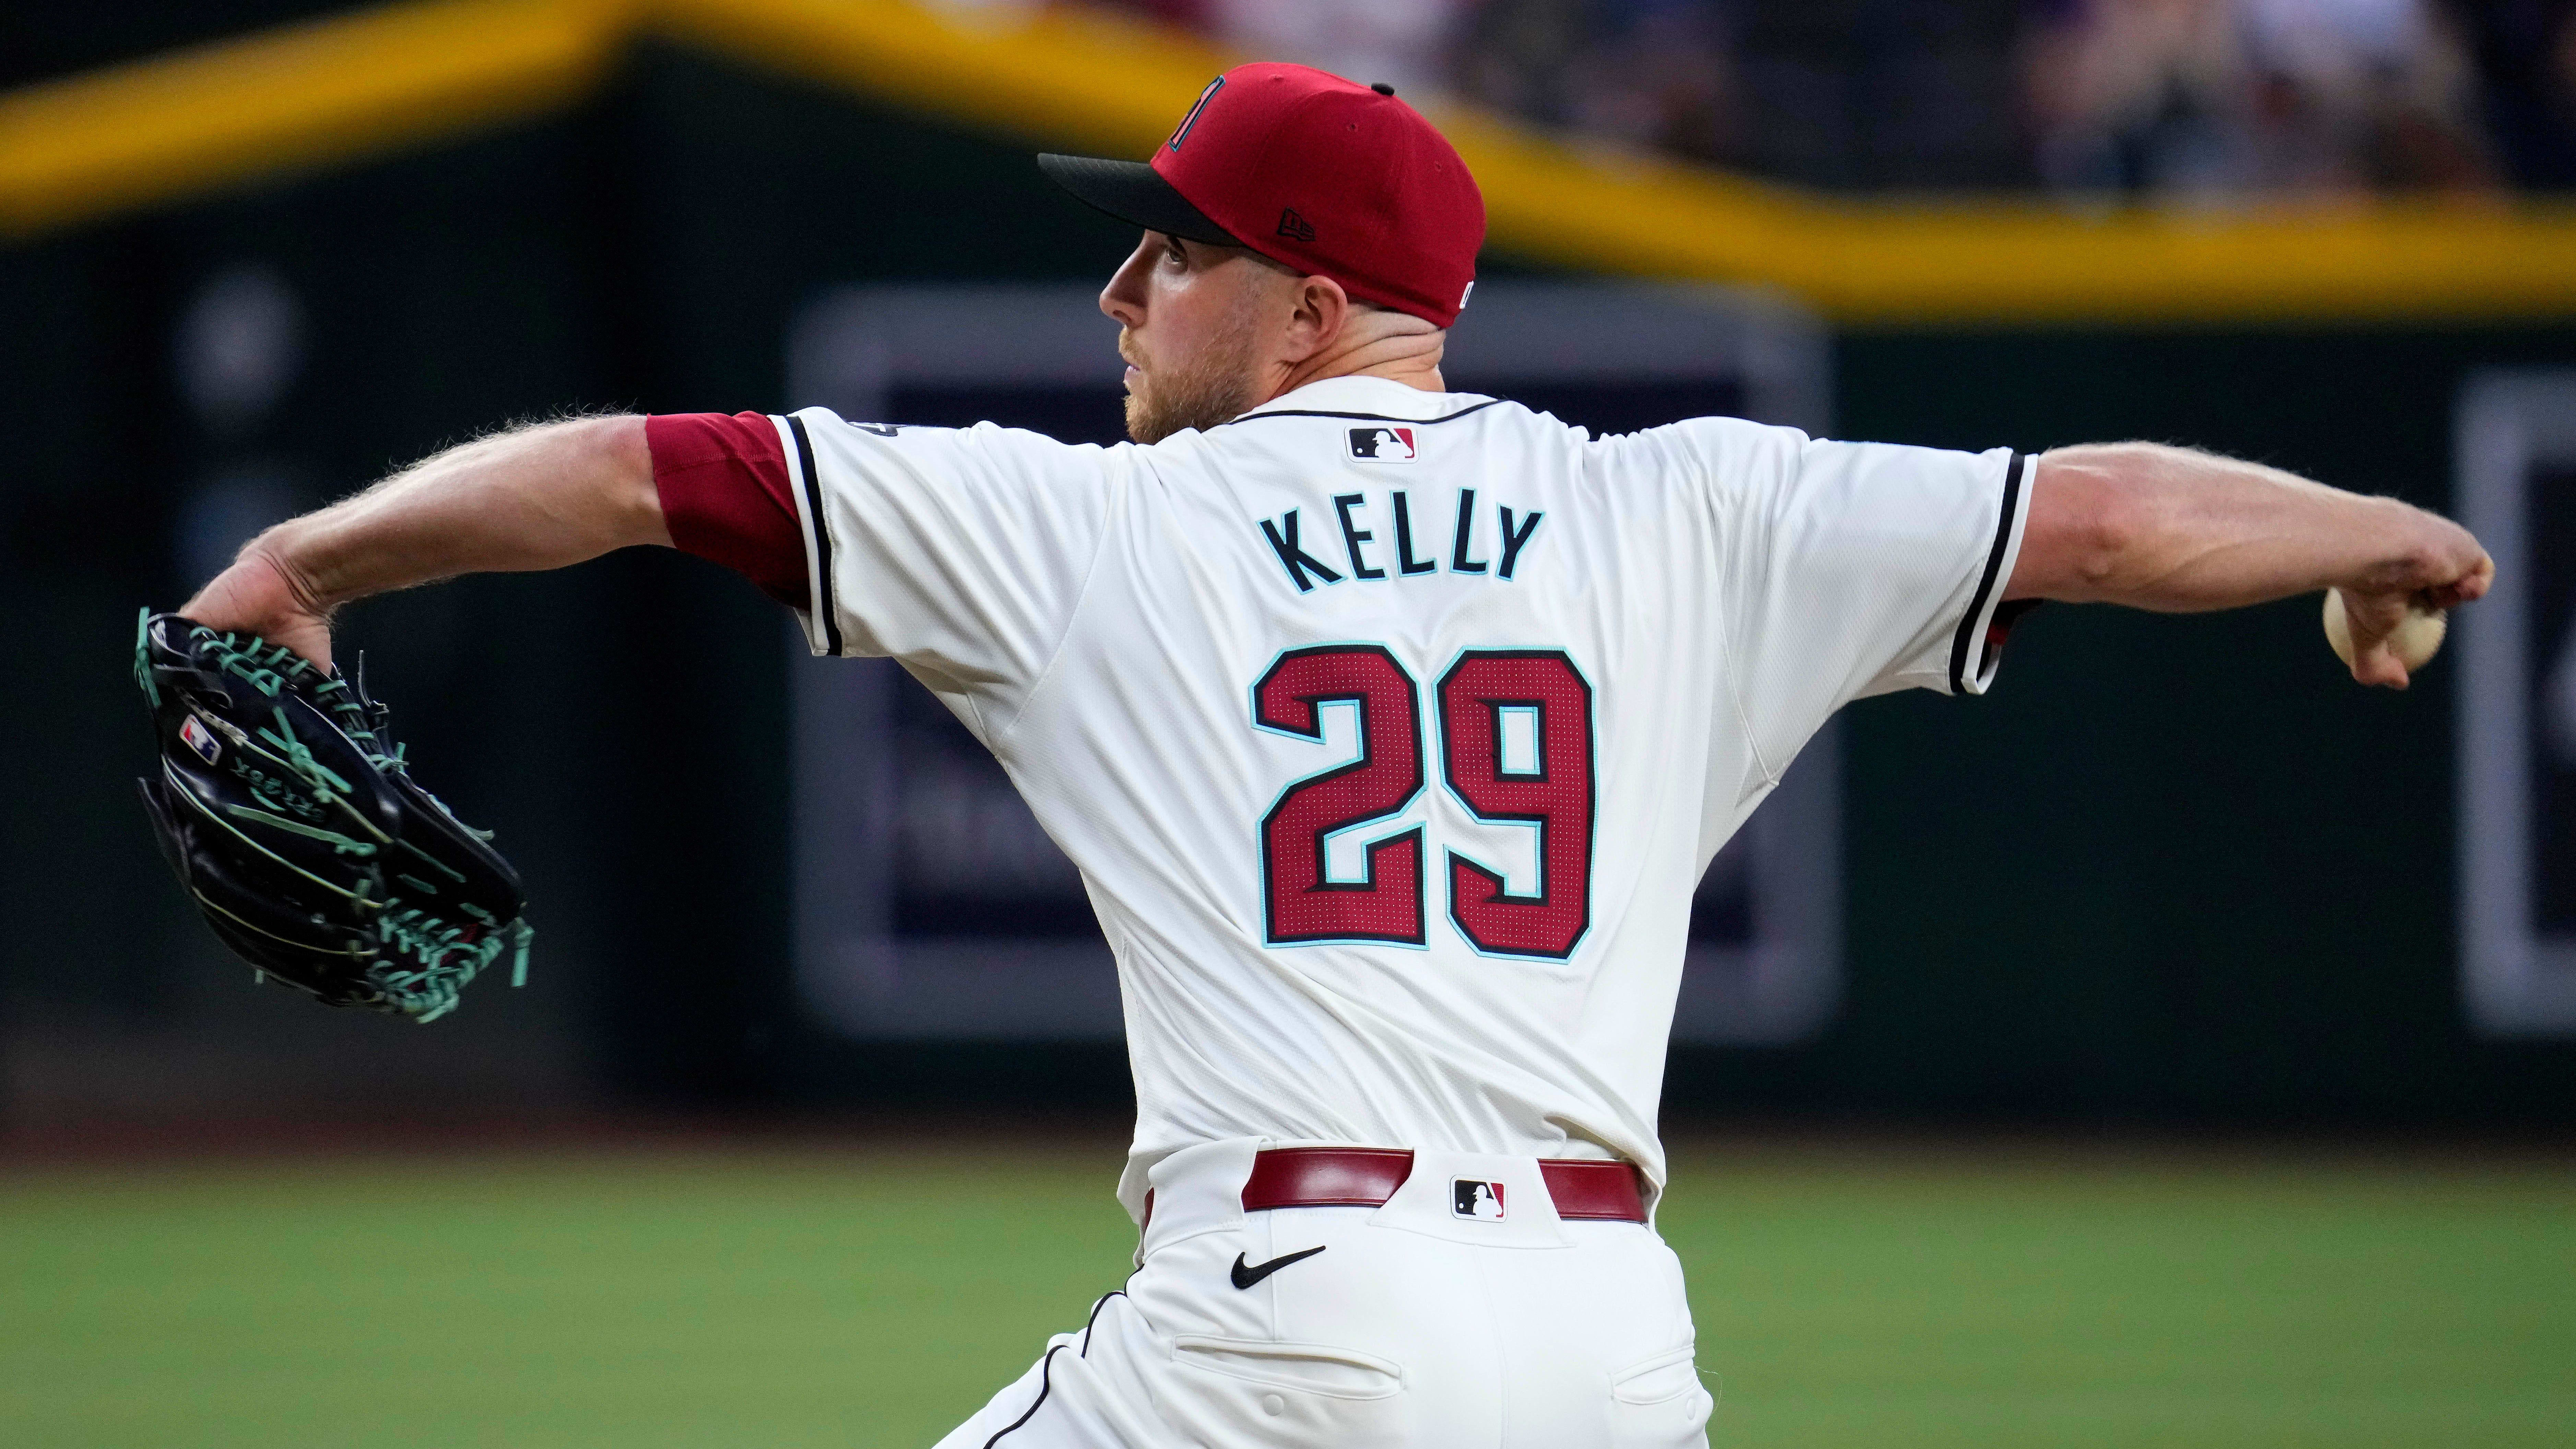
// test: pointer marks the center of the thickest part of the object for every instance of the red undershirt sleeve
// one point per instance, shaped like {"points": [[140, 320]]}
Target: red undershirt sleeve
{"points": [[725, 495]]}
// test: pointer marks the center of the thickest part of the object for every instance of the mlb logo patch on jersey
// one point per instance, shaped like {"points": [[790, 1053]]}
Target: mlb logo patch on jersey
{"points": [[1471, 1198], [199, 738], [1382, 445]]}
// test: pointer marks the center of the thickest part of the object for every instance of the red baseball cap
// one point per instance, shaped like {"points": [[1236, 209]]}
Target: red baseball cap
{"points": [[1319, 174]]}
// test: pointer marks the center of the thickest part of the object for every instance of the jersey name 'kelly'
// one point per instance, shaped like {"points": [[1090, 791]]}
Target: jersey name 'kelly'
{"points": [[1512, 531]]}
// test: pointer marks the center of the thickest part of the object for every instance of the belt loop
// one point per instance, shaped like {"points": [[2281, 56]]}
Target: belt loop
{"points": [[1198, 1189]]}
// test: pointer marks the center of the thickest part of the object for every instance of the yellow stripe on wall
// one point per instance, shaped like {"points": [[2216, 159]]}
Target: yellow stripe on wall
{"points": [[2028, 261], [1059, 78], [347, 88], [330, 91]]}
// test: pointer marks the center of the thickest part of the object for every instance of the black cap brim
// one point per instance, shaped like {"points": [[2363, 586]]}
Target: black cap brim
{"points": [[1134, 193]]}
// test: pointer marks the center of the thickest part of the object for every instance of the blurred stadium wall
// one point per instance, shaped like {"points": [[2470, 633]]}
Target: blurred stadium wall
{"points": [[2173, 870]]}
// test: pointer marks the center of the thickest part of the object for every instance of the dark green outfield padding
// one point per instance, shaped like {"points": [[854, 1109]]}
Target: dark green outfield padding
{"points": [[868, 1297]]}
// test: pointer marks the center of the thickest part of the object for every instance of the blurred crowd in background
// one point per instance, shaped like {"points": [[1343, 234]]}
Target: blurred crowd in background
{"points": [[2188, 100]]}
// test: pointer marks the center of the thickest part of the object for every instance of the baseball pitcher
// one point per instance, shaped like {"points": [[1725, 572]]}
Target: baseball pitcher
{"points": [[1390, 727]]}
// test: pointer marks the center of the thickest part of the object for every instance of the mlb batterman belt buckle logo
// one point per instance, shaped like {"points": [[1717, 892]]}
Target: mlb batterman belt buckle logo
{"points": [[1472, 1198], [1382, 445]]}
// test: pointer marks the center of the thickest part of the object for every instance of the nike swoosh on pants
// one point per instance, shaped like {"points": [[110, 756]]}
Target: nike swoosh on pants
{"points": [[1245, 1277]]}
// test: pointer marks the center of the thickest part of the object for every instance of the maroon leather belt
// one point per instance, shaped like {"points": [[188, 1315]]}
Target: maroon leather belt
{"points": [[1367, 1176]]}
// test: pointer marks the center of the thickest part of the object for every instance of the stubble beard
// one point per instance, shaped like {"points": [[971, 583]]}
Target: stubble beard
{"points": [[1213, 387]]}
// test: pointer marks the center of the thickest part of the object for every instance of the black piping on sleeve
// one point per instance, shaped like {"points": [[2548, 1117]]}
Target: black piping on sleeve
{"points": [[1046, 1382], [820, 536], [1963, 646]]}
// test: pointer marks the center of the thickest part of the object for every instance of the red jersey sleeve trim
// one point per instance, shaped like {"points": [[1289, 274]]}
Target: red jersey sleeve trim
{"points": [[726, 497]]}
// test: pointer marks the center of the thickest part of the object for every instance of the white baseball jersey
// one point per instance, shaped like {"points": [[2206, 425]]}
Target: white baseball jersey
{"points": [[1392, 730]]}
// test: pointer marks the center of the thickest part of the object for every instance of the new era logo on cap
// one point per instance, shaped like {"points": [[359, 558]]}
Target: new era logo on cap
{"points": [[1470, 1198], [1382, 445]]}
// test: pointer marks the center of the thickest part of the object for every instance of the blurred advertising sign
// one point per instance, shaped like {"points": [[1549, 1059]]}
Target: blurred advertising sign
{"points": [[2517, 706], [929, 903]]}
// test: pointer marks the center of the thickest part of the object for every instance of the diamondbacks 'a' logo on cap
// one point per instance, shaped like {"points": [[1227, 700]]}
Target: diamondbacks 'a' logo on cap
{"points": [[1469, 1198], [1382, 445], [1181, 132], [199, 738]]}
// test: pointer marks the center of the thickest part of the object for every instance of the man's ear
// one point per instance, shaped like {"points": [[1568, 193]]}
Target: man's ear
{"points": [[1320, 309]]}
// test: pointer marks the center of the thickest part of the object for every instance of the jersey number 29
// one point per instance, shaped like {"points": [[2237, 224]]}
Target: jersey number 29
{"points": [[1549, 788]]}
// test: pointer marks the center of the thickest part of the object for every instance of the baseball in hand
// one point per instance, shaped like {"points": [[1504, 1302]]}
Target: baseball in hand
{"points": [[2415, 641]]}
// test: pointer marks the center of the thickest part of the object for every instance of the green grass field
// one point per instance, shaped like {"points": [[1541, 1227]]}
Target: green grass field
{"points": [[872, 1296]]}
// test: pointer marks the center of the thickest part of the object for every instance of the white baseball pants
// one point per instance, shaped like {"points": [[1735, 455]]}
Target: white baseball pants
{"points": [[1410, 1324]]}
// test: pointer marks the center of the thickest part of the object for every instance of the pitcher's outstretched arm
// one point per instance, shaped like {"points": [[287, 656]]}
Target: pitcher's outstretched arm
{"points": [[536, 497], [2177, 530]]}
